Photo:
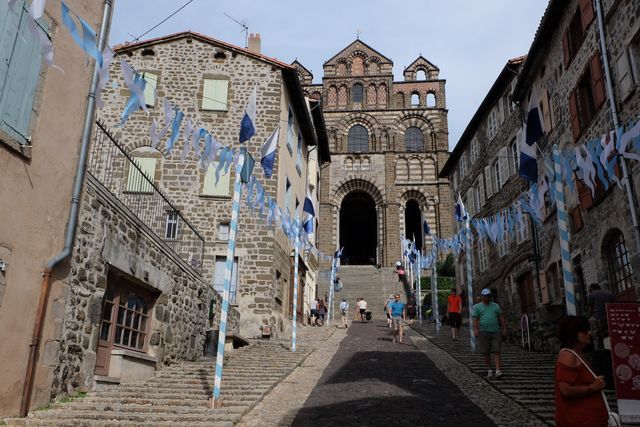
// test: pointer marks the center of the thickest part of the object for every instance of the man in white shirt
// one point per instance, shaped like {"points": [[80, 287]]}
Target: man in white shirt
{"points": [[314, 312], [362, 306], [344, 310]]}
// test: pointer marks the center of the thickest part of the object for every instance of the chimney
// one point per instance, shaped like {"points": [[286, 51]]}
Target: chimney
{"points": [[254, 43]]}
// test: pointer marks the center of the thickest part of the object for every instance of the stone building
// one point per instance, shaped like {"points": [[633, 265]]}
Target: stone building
{"points": [[211, 81], [387, 140], [41, 116], [566, 63]]}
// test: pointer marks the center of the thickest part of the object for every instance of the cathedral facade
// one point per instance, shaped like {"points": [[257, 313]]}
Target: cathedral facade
{"points": [[388, 140]]}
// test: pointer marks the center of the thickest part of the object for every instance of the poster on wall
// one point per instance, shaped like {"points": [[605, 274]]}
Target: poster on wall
{"points": [[624, 331]]}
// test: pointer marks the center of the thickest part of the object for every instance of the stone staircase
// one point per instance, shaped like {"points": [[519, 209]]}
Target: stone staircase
{"points": [[529, 376], [365, 281], [179, 394]]}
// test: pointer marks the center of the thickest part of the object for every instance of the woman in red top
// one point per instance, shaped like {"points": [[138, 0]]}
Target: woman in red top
{"points": [[579, 401], [454, 309]]}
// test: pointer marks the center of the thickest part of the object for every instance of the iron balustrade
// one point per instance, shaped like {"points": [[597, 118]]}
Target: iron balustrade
{"points": [[125, 178]]}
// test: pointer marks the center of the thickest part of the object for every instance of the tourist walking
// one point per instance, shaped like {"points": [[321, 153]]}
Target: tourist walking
{"points": [[454, 310], [578, 391], [322, 311], [400, 272], [344, 311], [411, 310], [398, 313], [386, 309], [362, 306], [314, 312], [356, 309], [596, 307], [487, 320]]}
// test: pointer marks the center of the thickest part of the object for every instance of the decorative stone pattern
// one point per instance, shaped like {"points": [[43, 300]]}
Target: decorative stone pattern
{"points": [[110, 238], [387, 172]]}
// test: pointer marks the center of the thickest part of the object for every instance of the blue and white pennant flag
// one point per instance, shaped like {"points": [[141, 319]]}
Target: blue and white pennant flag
{"points": [[534, 130], [268, 153], [248, 123]]}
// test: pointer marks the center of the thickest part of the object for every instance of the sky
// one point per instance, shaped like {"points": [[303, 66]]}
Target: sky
{"points": [[469, 40]]}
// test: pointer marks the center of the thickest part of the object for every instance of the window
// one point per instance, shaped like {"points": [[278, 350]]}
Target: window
{"points": [[413, 139], [20, 63], [218, 277], [399, 100], [223, 231], [587, 97], [150, 87], [503, 245], [522, 231], [357, 67], [215, 95], [463, 165], [474, 150], [483, 256], [171, 228], [492, 123], [221, 188], [574, 35], [497, 183], [358, 139], [476, 197], [431, 100], [299, 155], [421, 75], [415, 99], [287, 195], [515, 155], [136, 182], [291, 133], [619, 263], [332, 96], [357, 93], [132, 321]]}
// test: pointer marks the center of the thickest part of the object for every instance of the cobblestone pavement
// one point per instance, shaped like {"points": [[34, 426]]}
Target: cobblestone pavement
{"points": [[372, 381]]}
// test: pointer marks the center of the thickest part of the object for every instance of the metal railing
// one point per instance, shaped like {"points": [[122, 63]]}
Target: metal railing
{"points": [[124, 177]]}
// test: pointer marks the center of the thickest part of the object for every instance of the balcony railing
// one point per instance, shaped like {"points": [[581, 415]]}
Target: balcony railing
{"points": [[124, 177]]}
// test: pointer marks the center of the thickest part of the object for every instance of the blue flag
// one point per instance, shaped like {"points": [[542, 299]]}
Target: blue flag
{"points": [[248, 123]]}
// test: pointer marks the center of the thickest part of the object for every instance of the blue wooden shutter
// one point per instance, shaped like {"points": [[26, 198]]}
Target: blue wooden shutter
{"points": [[9, 22], [18, 92]]}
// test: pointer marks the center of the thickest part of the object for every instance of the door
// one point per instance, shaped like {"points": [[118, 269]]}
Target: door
{"points": [[525, 292], [105, 342]]}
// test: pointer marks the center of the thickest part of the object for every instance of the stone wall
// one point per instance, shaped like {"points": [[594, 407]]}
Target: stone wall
{"points": [[110, 238]]}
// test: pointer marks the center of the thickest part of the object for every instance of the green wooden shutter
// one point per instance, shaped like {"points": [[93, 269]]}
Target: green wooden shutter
{"points": [[18, 93]]}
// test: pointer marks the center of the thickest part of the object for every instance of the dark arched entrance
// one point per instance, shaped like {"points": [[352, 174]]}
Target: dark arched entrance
{"points": [[358, 230], [413, 223]]}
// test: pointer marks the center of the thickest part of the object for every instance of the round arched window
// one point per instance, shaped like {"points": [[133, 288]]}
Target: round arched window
{"points": [[358, 139], [413, 139], [357, 93]]}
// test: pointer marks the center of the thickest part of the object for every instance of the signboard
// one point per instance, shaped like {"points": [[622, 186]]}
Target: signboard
{"points": [[624, 331]]}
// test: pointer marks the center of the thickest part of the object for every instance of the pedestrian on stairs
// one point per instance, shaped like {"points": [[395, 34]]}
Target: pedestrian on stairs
{"points": [[322, 311], [344, 311], [314, 312], [398, 313], [454, 309], [386, 309], [362, 306], [487, 319]]}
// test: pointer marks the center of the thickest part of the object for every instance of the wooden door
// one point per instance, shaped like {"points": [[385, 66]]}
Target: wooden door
{"points": [[105, 340], [525, 292]]}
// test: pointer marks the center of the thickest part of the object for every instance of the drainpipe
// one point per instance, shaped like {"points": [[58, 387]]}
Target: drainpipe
{"points": [[628, 182], [71, 221]]}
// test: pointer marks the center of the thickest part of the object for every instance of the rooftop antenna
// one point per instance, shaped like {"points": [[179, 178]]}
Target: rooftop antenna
{"points": [[245, 29]]}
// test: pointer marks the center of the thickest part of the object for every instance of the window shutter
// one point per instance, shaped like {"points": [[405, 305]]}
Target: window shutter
{"points": [[565, 49], [546, 111], [18, 93], [9, 22], [573, 111], [215, 94], [597, 81], [586, 13], [488, 180], [150, 88], [623, 70], [584, 195], [503, 165]]}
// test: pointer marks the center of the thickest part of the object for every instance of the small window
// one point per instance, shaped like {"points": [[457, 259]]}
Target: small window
{"points": [[219, 55], [431, 100], [222, 187], [619, 263], [474, 150], [299, 155], [415, 99], [492, 123], [132, 320], [223, 231], [421, 75], [218, 277], [358, 139], [515, 155], [483, 256], [522, 232], [287, 195], [357, 93], [150, 87], [503, 245], [139, 179], [413, 139], [291, 133], [171, 229], [497, 182], [215, 94]]}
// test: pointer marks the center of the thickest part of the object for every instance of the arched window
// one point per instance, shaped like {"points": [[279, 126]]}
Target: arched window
{"points": [[332, 96], [382, 94], [431, 99], [342, 69], [357, 66], [421, 75], [358, 139], [413, 139], [342, 95], [371, 95], [399, 100], [415, 99], [373, 68], [618, 262], [356, 93]]}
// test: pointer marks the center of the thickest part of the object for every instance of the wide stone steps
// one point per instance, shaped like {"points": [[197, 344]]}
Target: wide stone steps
{"points": [[180, 394], [529, 376]]}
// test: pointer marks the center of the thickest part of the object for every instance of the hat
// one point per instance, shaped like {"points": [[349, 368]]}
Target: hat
{"points": [[398, 263], [485, 292]]}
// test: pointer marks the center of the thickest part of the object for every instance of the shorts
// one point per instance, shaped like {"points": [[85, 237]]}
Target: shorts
{"points": [[396, 321], [343, 313], [363, 310], [455, 319], [314, 313], [489, 342]]}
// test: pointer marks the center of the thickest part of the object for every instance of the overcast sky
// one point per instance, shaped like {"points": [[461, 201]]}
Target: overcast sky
{"points": [[469, 40]]}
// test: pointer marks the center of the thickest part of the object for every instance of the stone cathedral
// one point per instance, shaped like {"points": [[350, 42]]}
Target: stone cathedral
{"points": [[388, 139]]}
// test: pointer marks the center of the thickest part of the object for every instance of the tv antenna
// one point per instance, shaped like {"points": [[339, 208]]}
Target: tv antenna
{"points": [[245, 29]]}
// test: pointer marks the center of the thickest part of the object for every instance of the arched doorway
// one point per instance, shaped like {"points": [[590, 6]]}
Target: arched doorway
{"points": [[358, 229], [413, 223]]}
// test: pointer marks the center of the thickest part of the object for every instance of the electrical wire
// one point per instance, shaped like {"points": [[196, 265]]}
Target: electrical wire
{"points": [[163, 21]]}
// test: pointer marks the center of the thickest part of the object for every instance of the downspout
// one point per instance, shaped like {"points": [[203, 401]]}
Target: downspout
{"points": [[71, 221], [628, 183]]}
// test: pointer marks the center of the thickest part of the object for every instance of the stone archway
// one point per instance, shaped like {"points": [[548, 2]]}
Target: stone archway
{"points": [[358, 229]]}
